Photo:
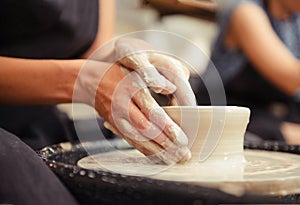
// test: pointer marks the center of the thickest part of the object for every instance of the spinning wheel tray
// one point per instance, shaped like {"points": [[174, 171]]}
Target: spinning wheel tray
{"points": [[99, 186]]}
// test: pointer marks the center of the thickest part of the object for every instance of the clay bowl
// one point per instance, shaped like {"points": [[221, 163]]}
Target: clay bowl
{"points": [[214, 132], [216, 141], [104, 187], [215, 135]]}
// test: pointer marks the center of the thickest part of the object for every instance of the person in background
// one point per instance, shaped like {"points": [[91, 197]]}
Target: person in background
{"points": [[256, 53], [43, 48]]}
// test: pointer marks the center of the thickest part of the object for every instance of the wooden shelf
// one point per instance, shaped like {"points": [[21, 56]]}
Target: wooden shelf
{"points": [[202, 4], [204, 9]]}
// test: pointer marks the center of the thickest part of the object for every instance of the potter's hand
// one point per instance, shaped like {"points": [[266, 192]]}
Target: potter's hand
{"points": [[161, 73], [124, 101], [137, 117]]}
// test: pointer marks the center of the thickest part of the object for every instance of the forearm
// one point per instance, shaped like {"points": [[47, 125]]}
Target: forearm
{"points": [[253, 33], [31, 82], [286, 78]]}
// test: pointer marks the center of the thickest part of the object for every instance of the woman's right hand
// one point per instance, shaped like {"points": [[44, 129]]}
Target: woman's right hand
{"points": [[123, 99]]}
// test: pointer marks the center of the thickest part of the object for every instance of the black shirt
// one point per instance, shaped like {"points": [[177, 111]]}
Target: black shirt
{"points": [[57, 29], [44, 29]]}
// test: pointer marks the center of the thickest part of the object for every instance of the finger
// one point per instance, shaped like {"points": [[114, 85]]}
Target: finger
{"points": [[148, 106], [178, 74], [170, 155], [157, 116], [134, 124], [127, 46], [133, 55], [154, 80], [145, 146], [147, 129], [172, 100], [150, 131], [165, 61], [122, 115], [184, 94]]}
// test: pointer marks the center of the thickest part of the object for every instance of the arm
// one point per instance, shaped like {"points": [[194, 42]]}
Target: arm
{"points": [[37, 81], [45, 87], [32, 82], [251, 31]]}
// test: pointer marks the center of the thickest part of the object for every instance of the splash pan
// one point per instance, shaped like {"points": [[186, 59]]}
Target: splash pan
{"points": [[270, 176], [262, 172]]}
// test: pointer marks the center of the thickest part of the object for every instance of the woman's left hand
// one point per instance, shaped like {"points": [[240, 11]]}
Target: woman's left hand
{"points": [[161, 72]]}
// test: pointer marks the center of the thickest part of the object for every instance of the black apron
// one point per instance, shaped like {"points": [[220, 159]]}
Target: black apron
{"points": [[44, 29]]}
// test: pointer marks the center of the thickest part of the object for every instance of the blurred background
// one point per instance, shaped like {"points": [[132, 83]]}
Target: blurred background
{"points": [[194, 24], [137, 15]]}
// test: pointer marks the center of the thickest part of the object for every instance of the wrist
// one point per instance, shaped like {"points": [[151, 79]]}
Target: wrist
{"points": [[88, 77], [70, 83]]}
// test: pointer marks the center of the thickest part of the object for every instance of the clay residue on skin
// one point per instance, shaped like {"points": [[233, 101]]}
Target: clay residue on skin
{"points": [[136, 61], [169, 154], [147, 102], [140, 63], [152, 79], [108, 126], [126, 126], [158, 116], [180, 138], [129, 131], [174, 65]]}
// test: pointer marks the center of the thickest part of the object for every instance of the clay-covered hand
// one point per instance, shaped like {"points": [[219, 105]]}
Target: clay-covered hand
{"points": [[137, 117], [123, 99], [161, 72]]}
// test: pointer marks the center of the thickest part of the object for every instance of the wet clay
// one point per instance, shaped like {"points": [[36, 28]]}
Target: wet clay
{"points": [[261, 172], [218, 160]]}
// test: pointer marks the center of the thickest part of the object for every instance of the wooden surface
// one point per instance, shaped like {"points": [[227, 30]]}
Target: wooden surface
{"points": [[201, 4], [204, 9]]}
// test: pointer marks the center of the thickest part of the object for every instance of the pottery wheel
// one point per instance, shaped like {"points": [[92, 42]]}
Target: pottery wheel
{"points": [[262, 172]]}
